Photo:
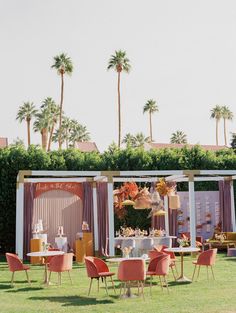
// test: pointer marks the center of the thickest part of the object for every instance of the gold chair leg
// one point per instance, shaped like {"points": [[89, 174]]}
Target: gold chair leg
{"points": [[105, 280], [98, 285], [70, 277], [161, 283], [177, 273], [199, 266], [90, 285], [27, 275], [49, 277], [173, 273], [121, 287], [166, 282], [12, 279], [212, 273], [194, 271], [207, 273], [113, 284], [138, 287]]}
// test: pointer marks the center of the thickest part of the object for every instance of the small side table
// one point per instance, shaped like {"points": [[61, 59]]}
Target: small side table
{"points": [[231, 250]]}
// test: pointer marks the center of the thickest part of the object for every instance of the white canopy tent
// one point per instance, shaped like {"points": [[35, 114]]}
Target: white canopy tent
{"points": [[189, 176]]}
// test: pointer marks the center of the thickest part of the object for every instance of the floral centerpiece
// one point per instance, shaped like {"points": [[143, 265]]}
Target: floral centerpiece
{"points": [[127, 231], [126, 251], [45, 246], [221, 237], [183, 242]]}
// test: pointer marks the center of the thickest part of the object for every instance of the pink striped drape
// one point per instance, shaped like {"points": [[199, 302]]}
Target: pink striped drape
{"points": [[59, 208]]}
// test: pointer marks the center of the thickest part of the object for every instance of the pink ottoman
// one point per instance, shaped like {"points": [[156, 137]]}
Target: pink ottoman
{"points": [[231, 252]]}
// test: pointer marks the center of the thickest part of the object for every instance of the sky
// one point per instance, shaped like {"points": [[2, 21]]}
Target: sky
{"points": [[182, 53]]}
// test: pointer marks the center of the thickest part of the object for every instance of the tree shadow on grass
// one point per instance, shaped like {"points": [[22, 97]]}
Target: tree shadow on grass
{"points": [[74, 300], [24, 289]]}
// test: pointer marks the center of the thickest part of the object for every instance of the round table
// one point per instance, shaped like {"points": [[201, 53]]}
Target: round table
{"points": [[45, 254], [182, 251]]}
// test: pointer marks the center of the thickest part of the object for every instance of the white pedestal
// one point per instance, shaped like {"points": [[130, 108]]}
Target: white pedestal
{"points": [[61, 243]]}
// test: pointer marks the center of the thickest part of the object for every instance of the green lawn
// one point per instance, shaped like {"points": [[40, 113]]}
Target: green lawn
{"points": [[203, 296]]}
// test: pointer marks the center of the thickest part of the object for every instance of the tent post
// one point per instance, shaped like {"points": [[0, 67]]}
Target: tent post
{"points": [[166, 215], [95, 217], [192, 212], [232, 206], [111, 216], [19, 218]]}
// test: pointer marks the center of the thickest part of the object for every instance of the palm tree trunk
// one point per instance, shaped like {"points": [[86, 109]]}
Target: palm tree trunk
{"points": [[50, 137], [44, 138], [225, 135], [119, 111], [28, 131], [61, 104], [150, 125], [217, 127]]}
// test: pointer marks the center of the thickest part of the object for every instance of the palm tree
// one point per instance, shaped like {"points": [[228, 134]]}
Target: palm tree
{"points": [[42, 125], [216, 113], [25, 113], [129, 140], [79, 133], [119, 62], [226, 115], [53, 115], [150, 107], [63, 65], [140, 140], [178, 137], [67, 125]]}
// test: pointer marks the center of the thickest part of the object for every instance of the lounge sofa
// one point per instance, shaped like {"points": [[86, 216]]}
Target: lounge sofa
{"points": [[230, 238]]}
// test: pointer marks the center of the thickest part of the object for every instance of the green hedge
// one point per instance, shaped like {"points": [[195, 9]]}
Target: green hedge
{"points": [[13, 159]]}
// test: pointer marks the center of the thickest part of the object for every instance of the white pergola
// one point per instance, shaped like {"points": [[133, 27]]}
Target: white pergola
{"points": [[111, 177]]}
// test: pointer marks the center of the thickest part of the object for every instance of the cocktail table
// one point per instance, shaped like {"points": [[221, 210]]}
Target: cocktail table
{"points": [[45, 254], [182, 251]]}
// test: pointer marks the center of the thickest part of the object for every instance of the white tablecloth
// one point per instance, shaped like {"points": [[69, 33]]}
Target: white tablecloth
{"points": [[137, 251]]}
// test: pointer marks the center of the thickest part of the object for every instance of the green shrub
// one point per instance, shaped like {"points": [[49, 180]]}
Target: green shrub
{"points": [[13, 159]]}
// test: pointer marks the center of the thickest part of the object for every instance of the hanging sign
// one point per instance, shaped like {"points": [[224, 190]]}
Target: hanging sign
{"points": [[75, 188]]}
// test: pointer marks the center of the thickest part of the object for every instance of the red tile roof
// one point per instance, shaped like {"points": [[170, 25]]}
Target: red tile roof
{"points": [[154, 145], [87, 146], [3, 142]]}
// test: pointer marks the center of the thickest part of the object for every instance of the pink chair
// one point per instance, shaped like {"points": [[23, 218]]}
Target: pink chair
{"points": [[162, 269], [97, 268], [206, 258], [155, 253], [48, 258], [59, 264], [16, 265], [172, 261], [131, 270]]}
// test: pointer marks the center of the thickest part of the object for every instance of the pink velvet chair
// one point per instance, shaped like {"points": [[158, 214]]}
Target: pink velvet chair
{"points": [[155, 253], [96, 269], [172, 261], [16, 265], [206, 258], [59, 264], [160, 267], [131, 270]]}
